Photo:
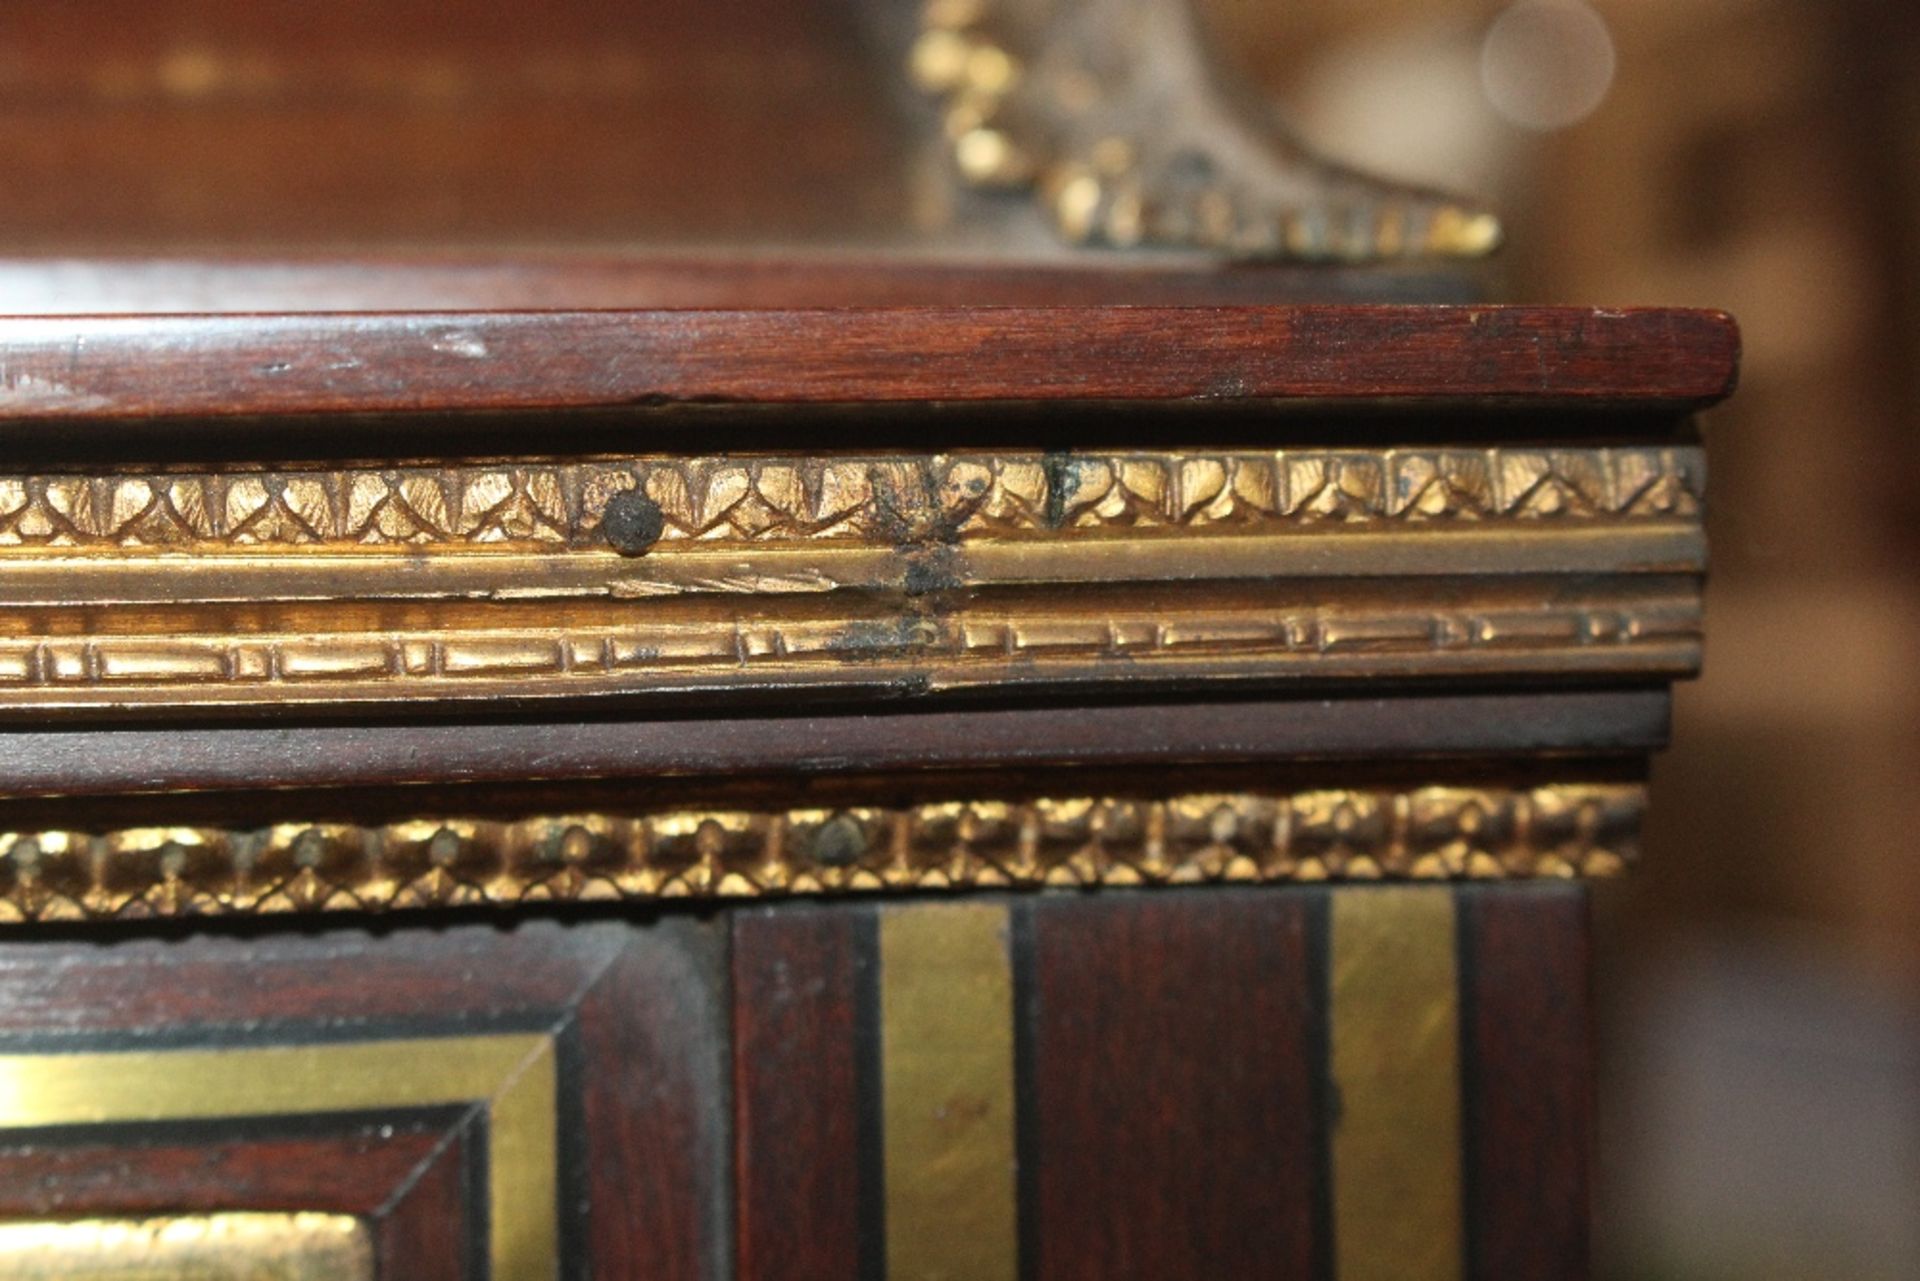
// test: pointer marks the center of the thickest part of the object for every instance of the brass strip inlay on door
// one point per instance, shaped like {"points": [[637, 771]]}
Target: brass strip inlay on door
{"points": [[513, 1075], [1395, 1062], [200, 1247], [947, 1093]]}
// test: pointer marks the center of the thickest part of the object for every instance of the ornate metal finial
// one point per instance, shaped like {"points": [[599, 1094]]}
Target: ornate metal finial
{"points": [[1114, 115]]}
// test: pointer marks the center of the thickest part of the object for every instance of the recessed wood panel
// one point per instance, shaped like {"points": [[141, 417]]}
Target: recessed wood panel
{"points": [[595, 1051], [230, 1246], [409, 1177]]}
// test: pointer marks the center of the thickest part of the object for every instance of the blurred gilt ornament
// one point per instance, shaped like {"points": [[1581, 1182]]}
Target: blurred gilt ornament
{"points": [[1113, 113]]}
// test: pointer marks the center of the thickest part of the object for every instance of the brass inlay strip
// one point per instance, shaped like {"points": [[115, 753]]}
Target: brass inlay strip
{"points": [[204, 1247], [65, 577], [947, 1100], [513, 1074], [970, 650], [1394, 1021], [1420, 833]]}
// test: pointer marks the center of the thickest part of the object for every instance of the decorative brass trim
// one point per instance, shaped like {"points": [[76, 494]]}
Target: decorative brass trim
{"points": [[882, 499], [246, 587], [1421, 833], [204, 1247], [1653, 633], [512, 1075], [1394, 1057], [947, 1092]]}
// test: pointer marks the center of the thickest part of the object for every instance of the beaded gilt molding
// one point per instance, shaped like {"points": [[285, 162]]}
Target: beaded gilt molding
{"points": [[883, 499], [870, 574], [1425, 833]]}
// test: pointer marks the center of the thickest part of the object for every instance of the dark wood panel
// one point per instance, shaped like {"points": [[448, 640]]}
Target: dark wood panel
{"points": [[1528, 1081], [653, 1111], [1177, 1054], [353, 1168], [407, 1177], [425, 1232], [108, 367], [175, 758], [797, 1094], [341, 980], [636, 1012]]}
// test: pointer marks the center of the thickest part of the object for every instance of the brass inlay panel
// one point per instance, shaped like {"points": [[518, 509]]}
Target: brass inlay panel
{"points": [[1421, 833], [513, 1075], [1394, 1022], [947, 1096], [207, 1247]]}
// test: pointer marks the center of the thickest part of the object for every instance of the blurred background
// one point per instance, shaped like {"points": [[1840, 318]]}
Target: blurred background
{"points": [[1760, 1106], [1760, 1098]]}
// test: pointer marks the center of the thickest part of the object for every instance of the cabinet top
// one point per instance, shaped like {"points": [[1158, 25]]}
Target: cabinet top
{"points": [[299, 363]]}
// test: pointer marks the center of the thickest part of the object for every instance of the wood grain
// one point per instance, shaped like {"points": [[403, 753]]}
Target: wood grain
{"points": [[84, 368], [407, 1177], [1529, 1082], [335, 979], [797, 1084], [637, 1013], [421, 1230], [652, 1115], [198, 1168], [107, 761], [1176, 1051]]}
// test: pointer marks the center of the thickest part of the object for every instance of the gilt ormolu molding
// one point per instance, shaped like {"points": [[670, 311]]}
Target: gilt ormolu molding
{"points": [[1425, 833], [917, 651], [880, 499], [898, 573]]}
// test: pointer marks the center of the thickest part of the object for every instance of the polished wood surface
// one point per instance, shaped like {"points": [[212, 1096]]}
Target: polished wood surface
{"points": [[1197, 1078], [634, 1016], [1155, 1065], [803, 1082], [118, 760], [1177, 1090], [407, 1178], [91, 368], [1528, 1011], [1164, 1126]]}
